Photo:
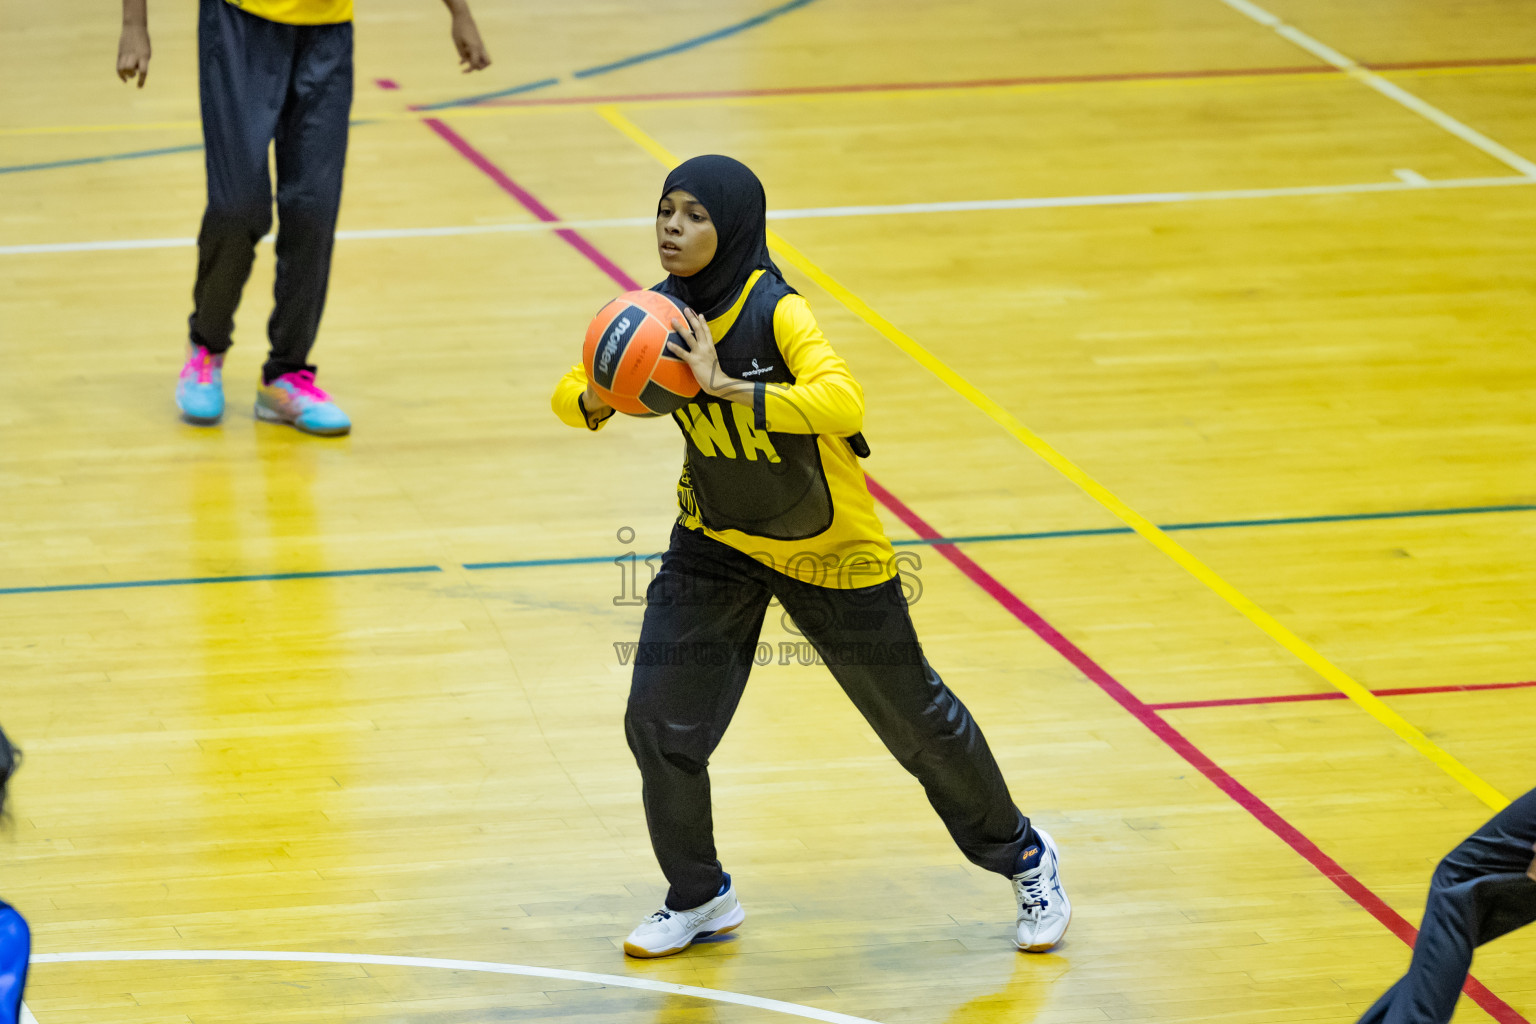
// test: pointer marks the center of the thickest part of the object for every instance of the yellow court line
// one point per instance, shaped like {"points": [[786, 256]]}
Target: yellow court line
{"points": [[1369, 702], [1459, 69]]}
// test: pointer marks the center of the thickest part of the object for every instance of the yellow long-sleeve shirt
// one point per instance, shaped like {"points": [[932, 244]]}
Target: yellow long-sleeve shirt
{"points": [[823, 400]]}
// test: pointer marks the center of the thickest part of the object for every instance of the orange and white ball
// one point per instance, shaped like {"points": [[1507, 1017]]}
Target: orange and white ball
{"points": [[626, 355]]}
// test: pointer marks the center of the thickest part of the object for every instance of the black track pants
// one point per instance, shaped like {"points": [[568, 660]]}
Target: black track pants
{"points": [[1479, 892], [264, 82], [703, 615]]}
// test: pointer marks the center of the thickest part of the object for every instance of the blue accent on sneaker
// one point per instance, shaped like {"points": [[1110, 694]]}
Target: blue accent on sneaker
{"points": [[1044, 910], [1030, 854], [667, 904], [200, 389], [294, 398]]}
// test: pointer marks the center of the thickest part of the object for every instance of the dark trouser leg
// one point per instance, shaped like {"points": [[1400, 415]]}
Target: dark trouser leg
{"points": [[1479, 892], [867, 639], [311, 153], [704, 611], [243, 70]]}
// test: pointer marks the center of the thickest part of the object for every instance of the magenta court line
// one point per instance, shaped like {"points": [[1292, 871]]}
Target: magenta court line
{"points": [[1331, 869], [1287, 698], [530, 202], [982, 83], [1143, 713]]}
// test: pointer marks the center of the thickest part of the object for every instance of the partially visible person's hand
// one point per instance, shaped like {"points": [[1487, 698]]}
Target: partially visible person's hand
{"points": [[1531, 871], [466, 40], [133, 53]]}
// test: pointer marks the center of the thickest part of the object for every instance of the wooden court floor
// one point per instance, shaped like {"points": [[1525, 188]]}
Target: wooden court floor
{"points": [[1196, 343]]}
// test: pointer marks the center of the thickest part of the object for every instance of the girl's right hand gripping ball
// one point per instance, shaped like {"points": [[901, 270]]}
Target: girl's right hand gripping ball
{"points": [[626, 355]]}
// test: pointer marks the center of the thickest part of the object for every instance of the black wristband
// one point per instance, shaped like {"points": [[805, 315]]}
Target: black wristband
{"points": [[587, 416]]}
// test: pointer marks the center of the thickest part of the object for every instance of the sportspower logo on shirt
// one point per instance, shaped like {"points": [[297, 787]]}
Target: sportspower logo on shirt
{"points": [[756, 370]]}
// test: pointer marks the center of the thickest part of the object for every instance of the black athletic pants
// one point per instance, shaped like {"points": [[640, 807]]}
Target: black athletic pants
{"points": [[1479, 892], [703, 615], [265, 82]]}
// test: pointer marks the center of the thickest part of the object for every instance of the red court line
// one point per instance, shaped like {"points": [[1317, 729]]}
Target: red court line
{"points": [[1495, 1007], [530, 202], [1286, 698], [857, 87], [981, 83], [1250, 802], [1484, 62]]}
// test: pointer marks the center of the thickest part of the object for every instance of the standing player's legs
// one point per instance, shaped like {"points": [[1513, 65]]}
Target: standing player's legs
{"points": [[1481, 890], [867, 639], [704, 612], [244, 64], [311, 153]]}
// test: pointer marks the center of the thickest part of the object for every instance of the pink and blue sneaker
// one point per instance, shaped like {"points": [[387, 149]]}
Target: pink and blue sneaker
{"points": [[200, 389], [295, 398]]}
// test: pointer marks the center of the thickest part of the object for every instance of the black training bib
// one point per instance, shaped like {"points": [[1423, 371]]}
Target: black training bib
{"points": [[737, 475]]}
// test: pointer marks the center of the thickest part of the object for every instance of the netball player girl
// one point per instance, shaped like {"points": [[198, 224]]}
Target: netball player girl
{"points": [[774, 505], [15, 939]]}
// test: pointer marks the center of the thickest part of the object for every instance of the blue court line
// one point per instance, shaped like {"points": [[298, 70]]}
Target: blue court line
{"points": [[137, 154], [1222, 524], [186, 581], [639, 58], [981, 538], [134, 155], [466, 101], [688, 44], [543, 83], [1353, 517], [535, 562], [987, 538]]}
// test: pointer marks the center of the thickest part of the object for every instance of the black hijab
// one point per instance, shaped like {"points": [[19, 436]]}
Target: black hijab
{"points": [[739, 208]]}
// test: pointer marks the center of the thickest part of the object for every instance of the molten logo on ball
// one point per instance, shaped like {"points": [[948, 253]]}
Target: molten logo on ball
{"points": [[626, 355], [612, 346]]}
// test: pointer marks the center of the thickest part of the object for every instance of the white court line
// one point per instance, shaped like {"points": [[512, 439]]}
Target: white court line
{"points": [[1386, 88], [26, 1016], [958, 206], [376, 233], [477, 966]]}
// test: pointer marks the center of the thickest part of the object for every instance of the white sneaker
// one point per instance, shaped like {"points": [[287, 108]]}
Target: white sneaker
{"points": [[1044, 910], [672, 931]]}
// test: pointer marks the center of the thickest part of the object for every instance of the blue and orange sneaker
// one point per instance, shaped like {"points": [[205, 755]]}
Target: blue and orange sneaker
{"points": [[200, 389], [295, 398]]}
